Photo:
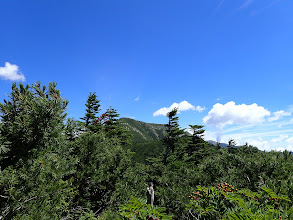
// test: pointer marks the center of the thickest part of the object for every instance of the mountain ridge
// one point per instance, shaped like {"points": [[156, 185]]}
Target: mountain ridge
{"points": [[144, 131]]}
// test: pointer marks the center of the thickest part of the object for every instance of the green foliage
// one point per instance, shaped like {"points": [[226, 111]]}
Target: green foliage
{"points": [[197, 148], [90, 170], [138, 209], [114, 128], [145, 150], [101, 165], [143, 132], [93, 108], [36, 165], [32, 118], [173, 133], [225, 202]]}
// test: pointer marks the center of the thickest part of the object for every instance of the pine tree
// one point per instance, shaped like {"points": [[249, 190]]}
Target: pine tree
{"points": [[93, 108], [31, 117], [36, 164]]}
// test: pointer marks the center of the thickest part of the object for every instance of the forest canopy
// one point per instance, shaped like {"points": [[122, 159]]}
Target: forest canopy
{"points": [[55, 167]]}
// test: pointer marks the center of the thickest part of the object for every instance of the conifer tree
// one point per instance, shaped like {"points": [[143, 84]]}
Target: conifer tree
{"points": [[31, 117], [114, 128], [196, 138], [231, 144], [90, 118], [36, 162], [174, 132]]}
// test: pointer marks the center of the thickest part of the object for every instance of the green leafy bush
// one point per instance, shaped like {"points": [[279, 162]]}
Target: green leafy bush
{"points": [[225, 202], [138, 209]]}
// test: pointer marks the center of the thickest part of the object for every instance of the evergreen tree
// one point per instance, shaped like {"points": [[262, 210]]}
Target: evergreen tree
{"points": [[31, 117], [102, 163], [196, 138], [114, 128], [231, 144], [36, 164], [173, 133], [73, 129], [90, 118]]}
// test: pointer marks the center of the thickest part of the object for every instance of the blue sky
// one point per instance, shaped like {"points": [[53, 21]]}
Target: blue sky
{"points": [[227, 64]]}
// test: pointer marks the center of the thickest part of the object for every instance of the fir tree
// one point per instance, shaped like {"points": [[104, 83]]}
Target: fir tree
{"points": [[173, 133], [114, 128], [93, 108], [196, 138], [231, 144]]}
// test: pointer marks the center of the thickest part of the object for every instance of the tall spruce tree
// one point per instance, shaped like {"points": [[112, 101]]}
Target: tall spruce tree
{"points": [[174, 132], [114, 128], [90, 118], [197, 148], [196, 138]]}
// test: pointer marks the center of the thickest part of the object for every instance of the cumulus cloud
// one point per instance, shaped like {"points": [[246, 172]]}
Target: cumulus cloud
{"points": [[182, 106], [11, 72], [278, 115], [230, 113]]}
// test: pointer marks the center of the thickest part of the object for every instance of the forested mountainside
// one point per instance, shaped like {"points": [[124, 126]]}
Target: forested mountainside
{"points": [[142, 131], [53, 167]]}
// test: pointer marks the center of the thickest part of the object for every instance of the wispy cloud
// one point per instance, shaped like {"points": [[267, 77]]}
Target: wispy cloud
{"points": [[11, 72], [137, 99], [246, 4], [264, 140], [278, 115], [220, 4], [264, 8]]}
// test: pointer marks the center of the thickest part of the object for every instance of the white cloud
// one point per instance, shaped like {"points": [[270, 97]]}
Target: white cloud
{"points": [[277, 140], [230, 113], [182, 106], [11, 72], [278, 115], [199, 108], [260, 144], [137, 99], [281, 138], [290, 144]]}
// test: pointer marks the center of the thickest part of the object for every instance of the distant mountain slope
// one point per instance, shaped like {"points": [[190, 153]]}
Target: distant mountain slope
{"points": [[143, 131]]}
